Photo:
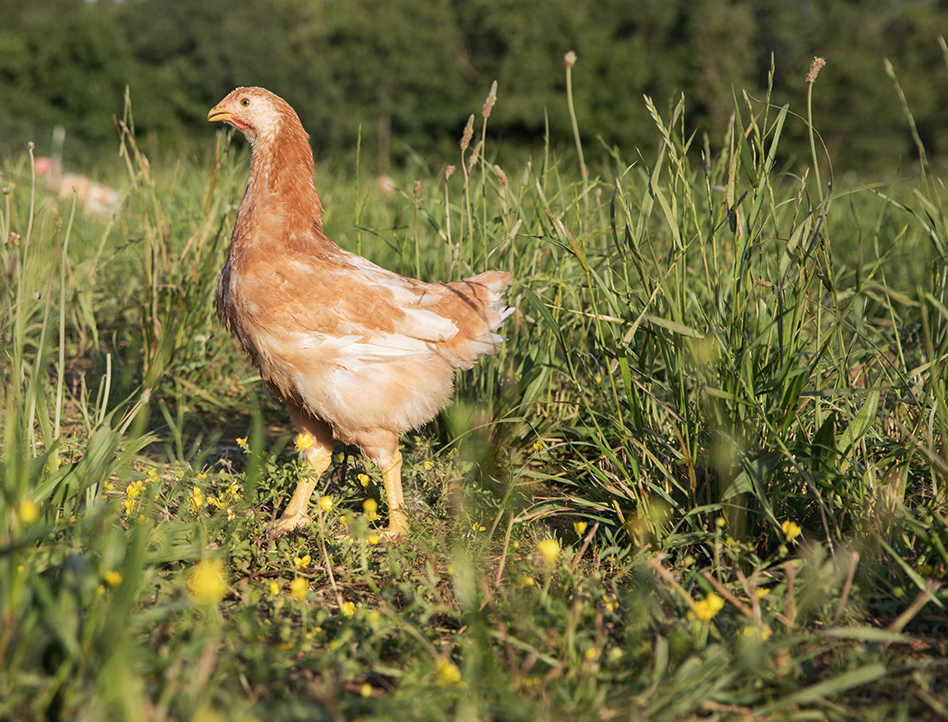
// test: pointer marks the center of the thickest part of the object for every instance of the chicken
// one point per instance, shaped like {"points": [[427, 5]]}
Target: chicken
{"points": [[358, 353]]}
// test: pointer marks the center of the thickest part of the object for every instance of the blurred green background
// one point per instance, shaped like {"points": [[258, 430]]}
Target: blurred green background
{"points": [[409, 72]]}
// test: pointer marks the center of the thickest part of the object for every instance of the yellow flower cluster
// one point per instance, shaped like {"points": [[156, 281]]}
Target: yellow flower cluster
{"points": [[370, 508], [791, 530], [298, 588], [550, 549], [132, 492], [708, 607], [363, 479], [303, 561], [206, 583], [448, 672], [196, 498], [28, 511]]}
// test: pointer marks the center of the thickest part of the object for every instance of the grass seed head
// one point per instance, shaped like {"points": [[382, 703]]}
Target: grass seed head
{"points": [[491, 99], [468, 133], [501, 176], [815, 68]]}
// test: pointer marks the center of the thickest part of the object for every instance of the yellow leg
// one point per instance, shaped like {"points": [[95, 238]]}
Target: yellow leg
{"points": [[397, 518], [318, 457]]}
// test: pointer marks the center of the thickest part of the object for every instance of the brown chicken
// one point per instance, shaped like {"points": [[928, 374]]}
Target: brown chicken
{"points": [[358, 353]]}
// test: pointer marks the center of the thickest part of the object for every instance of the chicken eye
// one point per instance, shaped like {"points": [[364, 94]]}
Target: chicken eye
{"points": [[245, 102]]}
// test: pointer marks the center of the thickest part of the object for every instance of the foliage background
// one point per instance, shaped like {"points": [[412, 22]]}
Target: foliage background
{"points": [[406, 72]]}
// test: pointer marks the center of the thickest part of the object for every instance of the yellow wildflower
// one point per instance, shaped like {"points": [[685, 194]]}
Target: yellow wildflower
{"points": [[112, 579], [28, 511], [579, 527], [201, 477], [242, 443], [550, 549], [428, 466], [366, 690], [340, 457], [761, 592], [325, 503], [196, 498], [448, 673], [591, 654], [298, 588], [370, 508], [363, 479], [612, 604], [526, 581], [304, 441], [708, 607], [301, 562], [791, 530], [274, 588], [349, 609], [206, 583], [372, 539], [538, 446]]}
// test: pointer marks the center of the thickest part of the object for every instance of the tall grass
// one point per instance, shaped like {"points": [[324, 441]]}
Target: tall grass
{"points": [[704, 477]]}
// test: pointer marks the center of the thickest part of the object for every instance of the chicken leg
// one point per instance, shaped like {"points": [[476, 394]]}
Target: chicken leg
{"points": [[381, 446], [318, 457]]}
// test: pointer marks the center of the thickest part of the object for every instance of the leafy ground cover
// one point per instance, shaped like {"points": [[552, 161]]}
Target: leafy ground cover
{"points": [[705, 479]]}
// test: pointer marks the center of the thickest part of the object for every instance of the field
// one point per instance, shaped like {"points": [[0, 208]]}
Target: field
{"points": [[704, 479]]}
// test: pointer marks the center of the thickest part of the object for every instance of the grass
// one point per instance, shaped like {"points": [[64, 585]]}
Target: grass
{"points": [[706, 477]]}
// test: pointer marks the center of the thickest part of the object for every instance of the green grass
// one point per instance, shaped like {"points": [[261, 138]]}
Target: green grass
{"points": [[711, 354]]}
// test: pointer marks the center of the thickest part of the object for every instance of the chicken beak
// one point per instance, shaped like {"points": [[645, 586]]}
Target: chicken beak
{"points": [[218, 113]]}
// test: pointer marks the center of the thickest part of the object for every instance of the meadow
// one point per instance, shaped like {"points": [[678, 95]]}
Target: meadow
{"points": [[704, 479]]}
